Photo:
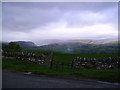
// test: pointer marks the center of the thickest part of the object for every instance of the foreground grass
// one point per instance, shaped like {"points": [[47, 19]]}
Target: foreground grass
{"points": [[104, 75]]}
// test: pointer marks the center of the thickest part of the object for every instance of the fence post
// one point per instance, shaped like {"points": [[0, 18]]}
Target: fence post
{"points": [[72, 64], [51, 64], [62, 66]]}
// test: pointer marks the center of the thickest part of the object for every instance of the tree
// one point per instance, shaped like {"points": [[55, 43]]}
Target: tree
{"points": [[12, 47]]}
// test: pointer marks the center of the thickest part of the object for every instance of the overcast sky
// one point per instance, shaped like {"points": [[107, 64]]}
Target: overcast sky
{"points": [[43, 21]]}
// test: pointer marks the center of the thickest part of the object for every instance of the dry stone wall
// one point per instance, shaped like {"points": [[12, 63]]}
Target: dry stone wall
{"points": [[98, 63], [36, 58]]}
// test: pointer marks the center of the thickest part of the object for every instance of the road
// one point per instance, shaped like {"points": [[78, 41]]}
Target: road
{"points": [[14, 79]]}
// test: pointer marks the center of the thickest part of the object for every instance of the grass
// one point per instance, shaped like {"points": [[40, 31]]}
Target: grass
{"points": [[104, 75], [67, 57]]}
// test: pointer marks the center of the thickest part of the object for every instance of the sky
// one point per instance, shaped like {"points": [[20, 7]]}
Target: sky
{"points": [[43, 22]]}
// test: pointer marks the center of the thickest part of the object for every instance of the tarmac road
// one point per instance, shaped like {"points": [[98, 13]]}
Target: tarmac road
{"points": [[13, 79]]}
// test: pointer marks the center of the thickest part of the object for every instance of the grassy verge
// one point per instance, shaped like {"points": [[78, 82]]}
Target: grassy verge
{"points": [[104, 75]]}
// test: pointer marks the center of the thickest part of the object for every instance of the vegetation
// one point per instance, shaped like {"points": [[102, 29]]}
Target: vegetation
{"points": [[12, 47], [104, 75], [62, 53], [67, 57], [74, 47], [83, 48]]}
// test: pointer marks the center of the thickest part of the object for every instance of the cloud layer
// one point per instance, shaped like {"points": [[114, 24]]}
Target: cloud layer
{"points": [[63, 21]]}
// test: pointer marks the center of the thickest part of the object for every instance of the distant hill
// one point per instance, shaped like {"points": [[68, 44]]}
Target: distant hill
{"points": [[4, 43], [84, 46], [23, 44], [93, 41], [26, 44], [75, 46]]}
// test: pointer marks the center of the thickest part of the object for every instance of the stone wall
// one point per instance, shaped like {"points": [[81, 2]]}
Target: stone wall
{"points": [[36, 58], [98, 63]]}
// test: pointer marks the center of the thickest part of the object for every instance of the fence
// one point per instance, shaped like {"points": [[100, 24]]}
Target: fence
{"points": [[77, 63]]}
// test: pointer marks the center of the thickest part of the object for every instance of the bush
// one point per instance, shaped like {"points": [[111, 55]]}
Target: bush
{"points": [[12, 47]]}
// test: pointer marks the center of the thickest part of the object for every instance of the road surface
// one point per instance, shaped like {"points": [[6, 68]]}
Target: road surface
{"points": [[13, 79]]}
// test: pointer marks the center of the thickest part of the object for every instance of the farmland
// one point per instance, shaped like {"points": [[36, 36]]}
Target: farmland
{"points": [[111, 75], [61, 64]]}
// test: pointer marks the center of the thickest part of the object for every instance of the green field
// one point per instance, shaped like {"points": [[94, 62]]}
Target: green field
{"points": [[104, 75], [67, 57]]}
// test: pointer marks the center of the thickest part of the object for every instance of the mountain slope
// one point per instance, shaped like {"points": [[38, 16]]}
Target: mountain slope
{"points": [[83, 46], [75, 46], [25, 44]]}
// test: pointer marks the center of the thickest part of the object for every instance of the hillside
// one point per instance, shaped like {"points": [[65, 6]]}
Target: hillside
{"points": [[75, 46], [23, 44], [93, 41], [84, 46], [27, 44]]}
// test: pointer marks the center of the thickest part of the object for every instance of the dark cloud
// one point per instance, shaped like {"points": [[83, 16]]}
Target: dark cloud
{"points": [[94, 6], [16, 18], [59, 20], [29, 15]]}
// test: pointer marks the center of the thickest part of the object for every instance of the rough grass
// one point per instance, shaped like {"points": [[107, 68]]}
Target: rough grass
{"points": [[105, 75]]}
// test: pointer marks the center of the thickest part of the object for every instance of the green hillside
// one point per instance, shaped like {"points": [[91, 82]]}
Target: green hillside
{"points": [[76, 46], [83, 48]]}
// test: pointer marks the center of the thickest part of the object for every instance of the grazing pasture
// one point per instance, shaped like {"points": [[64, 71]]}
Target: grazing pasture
{"points": [[110, 75], [105, 69]]}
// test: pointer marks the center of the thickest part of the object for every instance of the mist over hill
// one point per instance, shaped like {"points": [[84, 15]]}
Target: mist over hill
{"points": [[75, 46], [83, 46]]}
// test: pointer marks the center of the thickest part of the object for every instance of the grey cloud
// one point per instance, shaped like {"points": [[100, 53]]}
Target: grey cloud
{"points": [[26, 19], [94, 6], [26, 16], [84, 19], [40, 21]]}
